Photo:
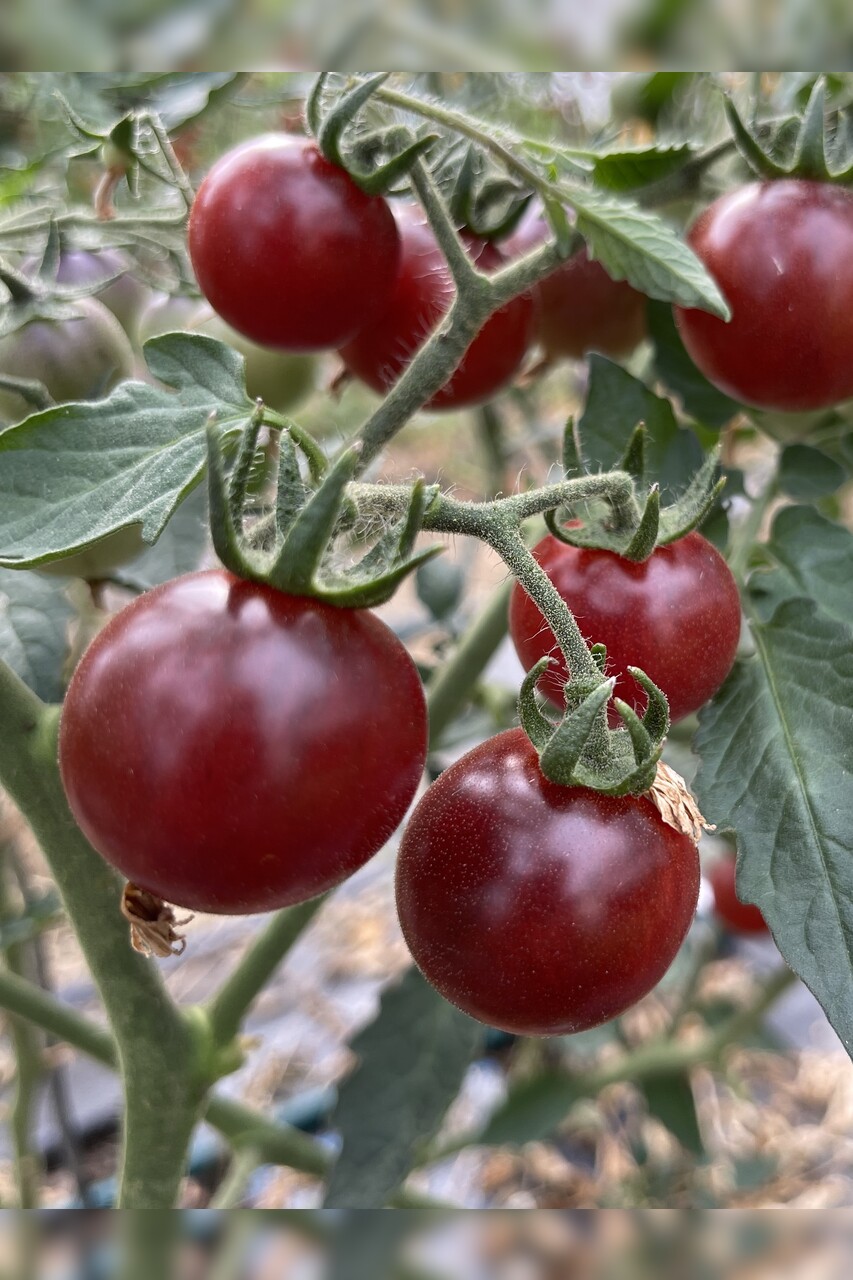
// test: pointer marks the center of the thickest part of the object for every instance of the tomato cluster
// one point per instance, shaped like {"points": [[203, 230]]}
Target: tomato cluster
{"points": [[292, 254]]}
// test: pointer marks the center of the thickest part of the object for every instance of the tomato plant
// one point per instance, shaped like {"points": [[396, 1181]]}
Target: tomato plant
{"points": [[254, 718], [676, 615], [237, 718], [288, 249], [421, 296], [740, 917], [580, 308], [537, 908], [781, 253], [122, 294]]}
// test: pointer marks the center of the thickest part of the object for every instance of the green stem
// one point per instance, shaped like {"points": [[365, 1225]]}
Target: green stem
{"points": [[232, 1190], [29, 1068], [748, 532], [233, 1000], [450, 688], [149, 1245], [163, 1084], [490, 431]]}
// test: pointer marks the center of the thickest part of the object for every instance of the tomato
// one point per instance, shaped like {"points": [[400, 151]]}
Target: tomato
{"points": [[537, 908], [233, 749], [421, 296], [741, 917], [676, 615], [101, 559], [782, 254], [580, 307], [79, 358], [288, 249], [169, 313], [125, 296]]}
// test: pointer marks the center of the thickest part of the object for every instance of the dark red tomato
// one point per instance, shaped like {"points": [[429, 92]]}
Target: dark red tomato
{"points": [[741, 917], [288, 249], [234, 749], [676, 615], [782, 254], [540, 909], [421, 296], [580, 307]]}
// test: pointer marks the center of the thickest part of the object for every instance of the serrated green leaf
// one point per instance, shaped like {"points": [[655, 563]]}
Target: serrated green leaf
{"points": [[677, 371], [775, 751], [629, 167], [533, 1110], [76, 473], [807, 473], [636, 245], [412, 1059], [35, 620], [813, 558], [615, 403], [670, 1100]]}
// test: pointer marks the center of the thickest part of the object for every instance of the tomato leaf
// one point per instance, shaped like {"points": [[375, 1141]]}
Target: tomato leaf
{"points": [[178, 550], [615, 403], [533, 1110], [412, 1059], [628, 167], [636, 245], [775, 756], [35, 618], [808, 473], [73, 474], [677, 371], [670, 1099]]}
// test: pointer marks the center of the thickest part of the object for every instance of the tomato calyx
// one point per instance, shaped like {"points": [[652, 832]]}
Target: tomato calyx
{"points": [[580, 750], [631, 529], [402, 146], [299, 557], [483, 200], [794, 148]]}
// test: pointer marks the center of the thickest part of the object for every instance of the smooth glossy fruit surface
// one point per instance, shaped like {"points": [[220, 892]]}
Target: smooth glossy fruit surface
{"points": [[677, 616], [540, 909], [287, 249], [78, 358], [782, 254], [580, 307], [421, 296], [740, 917], [233, 749]]}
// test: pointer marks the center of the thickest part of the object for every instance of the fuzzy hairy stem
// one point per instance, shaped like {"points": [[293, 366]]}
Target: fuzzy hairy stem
{"points": [[158, 1052]]}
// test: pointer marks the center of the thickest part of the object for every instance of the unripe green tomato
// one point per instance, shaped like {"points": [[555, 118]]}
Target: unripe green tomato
{"points": [[168, 314], [78, 358], [100, 560], [282, 379]]}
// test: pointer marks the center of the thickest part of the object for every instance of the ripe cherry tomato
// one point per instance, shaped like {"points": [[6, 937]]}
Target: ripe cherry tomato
{"points": [[782, 254], [580, 307], [78, 358], [741, 917], [287, 249], [676, 615], [540, 909], [234, 749], [421, 296]]}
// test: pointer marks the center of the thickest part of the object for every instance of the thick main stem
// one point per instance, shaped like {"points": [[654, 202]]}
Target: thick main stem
{"points": [[157, 1050]]}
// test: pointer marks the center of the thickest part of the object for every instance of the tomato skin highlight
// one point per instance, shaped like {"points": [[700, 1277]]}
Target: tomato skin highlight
{"points": [[676, 615], [782, 254], [422, 294], [288, 249], [536, 908], [233, 749], [740, 917], [580, 307]]}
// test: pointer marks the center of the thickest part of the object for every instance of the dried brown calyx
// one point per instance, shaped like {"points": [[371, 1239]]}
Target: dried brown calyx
{"points": [[153, 924], [675, 803]]}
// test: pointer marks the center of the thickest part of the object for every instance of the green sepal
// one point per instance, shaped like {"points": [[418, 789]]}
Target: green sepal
{"points": [[749, 147], [350, 593], [645, 538], [343, 113], [634, 457], [296, 562], [561, 754], [291, 493], [655, 718], [572, 456], [384, 178], [810, 153], [534, 722], [690, 509], [641, 740], [224, 532]]}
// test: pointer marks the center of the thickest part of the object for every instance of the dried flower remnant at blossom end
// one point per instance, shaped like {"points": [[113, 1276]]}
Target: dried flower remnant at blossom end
{"points": [[675, 803], [153, 924]]}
